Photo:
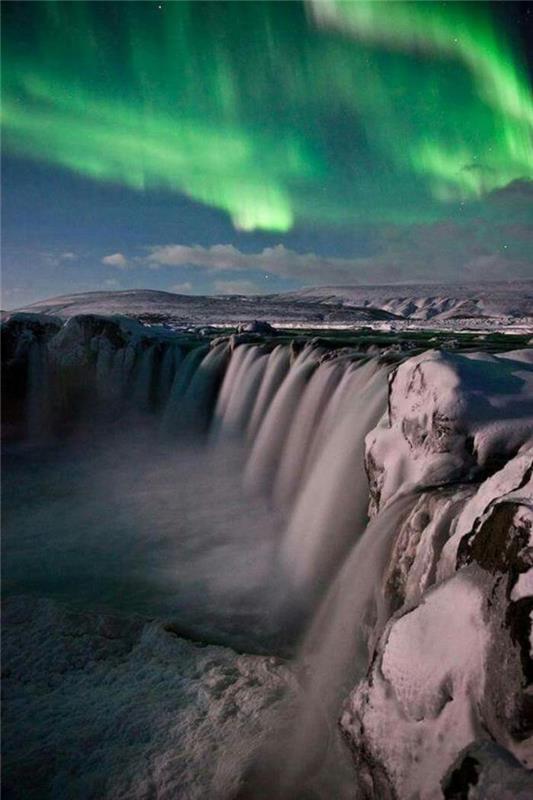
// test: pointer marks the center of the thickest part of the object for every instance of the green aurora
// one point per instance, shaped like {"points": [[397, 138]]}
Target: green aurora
{"points": [[276, 113]]}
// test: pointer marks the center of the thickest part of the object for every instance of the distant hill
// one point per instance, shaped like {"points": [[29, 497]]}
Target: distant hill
{"points": [[430, 301], [426, 305]]}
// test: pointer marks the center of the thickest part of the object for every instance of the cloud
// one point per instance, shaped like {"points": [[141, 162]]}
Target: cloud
{"points": [[277, 260], [493, 246], [115, 260], [69, 256], [235, 287], [181, 288]]}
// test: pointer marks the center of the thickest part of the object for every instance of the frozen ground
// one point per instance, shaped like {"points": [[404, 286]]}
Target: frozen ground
{"points": [[106, 706]]}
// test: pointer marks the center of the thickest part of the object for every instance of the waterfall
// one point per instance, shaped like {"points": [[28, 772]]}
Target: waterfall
{"points": [[169, 363], [143, 378], [336, 647], [301, 422], [38, 397], [331, 507], [241, 403], [299, 419], [334, 654], [315, 398], [217, 486], [238, 391], [186, 367], [274, 429], [276, 369], [200, 394], [268, 441]]}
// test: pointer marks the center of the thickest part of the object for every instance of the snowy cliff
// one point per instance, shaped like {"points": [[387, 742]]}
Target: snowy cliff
{"points": [[452, 667]]}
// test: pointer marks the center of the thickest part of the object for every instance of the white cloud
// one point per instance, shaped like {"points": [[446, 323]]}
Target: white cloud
{"points": [[111, 283], [69, 256], [115, 260], [440, 251], [181, 288], [235, 287], [277, 260]]}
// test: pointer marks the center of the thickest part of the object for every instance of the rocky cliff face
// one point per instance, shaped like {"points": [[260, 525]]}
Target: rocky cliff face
{"points": [[451, 675]]}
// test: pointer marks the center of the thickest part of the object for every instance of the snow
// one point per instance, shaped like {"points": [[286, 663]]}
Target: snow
{"points": [[450, 415], [417, 713], [432, 301], [415, 557], [447, 670], [99, 705], [523, 586], [431, 690]]}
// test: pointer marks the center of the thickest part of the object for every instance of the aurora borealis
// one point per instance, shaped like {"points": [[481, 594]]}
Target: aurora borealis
{"points": [[282, 116], [255, 108]]}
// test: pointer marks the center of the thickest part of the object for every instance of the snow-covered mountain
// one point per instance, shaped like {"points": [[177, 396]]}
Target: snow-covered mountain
{"points": [[431, 301], [492, 305]]}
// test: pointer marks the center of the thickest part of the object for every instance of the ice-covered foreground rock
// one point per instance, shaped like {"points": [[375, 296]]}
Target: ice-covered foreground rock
{"points": [[453, 664], [99, 706]]}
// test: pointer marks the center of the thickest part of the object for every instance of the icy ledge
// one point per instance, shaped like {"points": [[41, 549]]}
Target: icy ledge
{"points": [[446, 707]]}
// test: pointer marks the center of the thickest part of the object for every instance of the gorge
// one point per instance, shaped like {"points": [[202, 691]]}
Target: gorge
{"points": [[284, 566]]}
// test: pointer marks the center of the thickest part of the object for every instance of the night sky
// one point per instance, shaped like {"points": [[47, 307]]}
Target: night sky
{"points": [[256, 147]]}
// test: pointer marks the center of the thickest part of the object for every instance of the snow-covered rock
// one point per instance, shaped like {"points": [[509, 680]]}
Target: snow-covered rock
{"points": [[447, 672], [257, 326], [453, 665], [451, 417]]}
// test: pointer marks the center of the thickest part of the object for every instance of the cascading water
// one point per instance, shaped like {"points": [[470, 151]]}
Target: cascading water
{"points": [[315, 399], [298, 421], [238, 391], [331, 509], [184, 370], [335, 652], [38, 393], [143, 378], [271, 437]]}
